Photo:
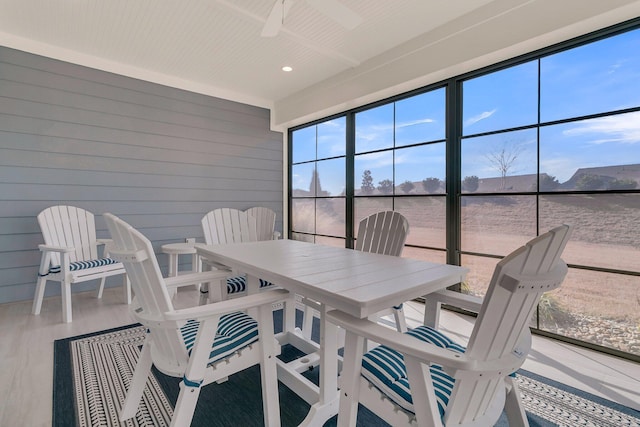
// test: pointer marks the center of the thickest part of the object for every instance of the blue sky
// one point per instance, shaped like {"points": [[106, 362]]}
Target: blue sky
{"points": [[591, 79]]}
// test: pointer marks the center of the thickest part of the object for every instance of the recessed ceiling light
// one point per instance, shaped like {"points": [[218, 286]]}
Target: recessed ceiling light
{"points": [[287, 68]]}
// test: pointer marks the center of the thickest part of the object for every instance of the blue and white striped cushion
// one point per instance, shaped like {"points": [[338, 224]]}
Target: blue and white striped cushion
{"points": [[82, 265], [239, 284], [235, 331], [384, 368]]}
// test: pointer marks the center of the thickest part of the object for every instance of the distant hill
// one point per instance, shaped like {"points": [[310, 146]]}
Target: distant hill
{"points": [[607, 174], [600, 178], [511, 183]]}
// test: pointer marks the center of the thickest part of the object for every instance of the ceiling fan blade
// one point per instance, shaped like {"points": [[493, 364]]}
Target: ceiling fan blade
{"points": [[274, 20], [338, 12], [276, 16]]}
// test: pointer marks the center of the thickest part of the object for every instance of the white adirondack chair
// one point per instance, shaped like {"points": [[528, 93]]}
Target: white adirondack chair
{"points": [[227, 225], [70, 255], [265, 223], [385, 233], [382, 233], [201, 344], [451, 385]]}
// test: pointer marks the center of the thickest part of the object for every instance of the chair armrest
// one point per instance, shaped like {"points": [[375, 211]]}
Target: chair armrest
{"points": [[458, 365], [403, 343], [108, 244], [61, 249], [194, 278], [456, 299], [202, 312]]}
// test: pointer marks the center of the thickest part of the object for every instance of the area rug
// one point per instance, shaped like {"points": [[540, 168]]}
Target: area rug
{"points": [[92, 372]]}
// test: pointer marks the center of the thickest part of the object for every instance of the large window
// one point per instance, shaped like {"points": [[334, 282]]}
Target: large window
{"points": [[481, 163], [399, 164], [318, 183], [559, 142]]}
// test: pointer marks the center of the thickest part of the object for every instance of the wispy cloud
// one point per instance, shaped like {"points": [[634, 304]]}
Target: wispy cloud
{"points": [[376, 160], [560, 167], [382, 131], [372, 132], [414, 122], [623, 129], [333, 123], [614, 67], [475, 119], [365, 136]]}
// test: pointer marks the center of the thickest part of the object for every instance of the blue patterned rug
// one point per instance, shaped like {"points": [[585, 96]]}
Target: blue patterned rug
{"points": [[90, 372]]}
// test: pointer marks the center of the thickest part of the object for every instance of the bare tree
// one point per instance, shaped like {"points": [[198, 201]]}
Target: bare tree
{"points": [[503, 159]]}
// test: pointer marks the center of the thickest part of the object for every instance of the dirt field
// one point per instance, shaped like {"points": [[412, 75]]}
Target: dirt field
{"points": [[606, 234]]}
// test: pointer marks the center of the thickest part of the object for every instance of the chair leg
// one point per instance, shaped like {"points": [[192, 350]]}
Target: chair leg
{"points": [[185, 406], [204, 294], [422, 390], [39, 295], [101, 287], [138, 382], [127, 290], [191, 383], [65, 290], [204, 287], [513, 405]]}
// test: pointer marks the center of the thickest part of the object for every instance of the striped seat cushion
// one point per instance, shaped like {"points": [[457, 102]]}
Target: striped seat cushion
{"points": [[384, 368], [239, 284], [235, 331], [82, 265]]}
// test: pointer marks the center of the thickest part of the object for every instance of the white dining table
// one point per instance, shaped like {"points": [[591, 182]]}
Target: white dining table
{"points": [[358, 283]]}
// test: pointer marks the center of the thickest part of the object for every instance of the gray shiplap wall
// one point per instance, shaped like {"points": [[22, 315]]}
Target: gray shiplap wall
{"points": [[158, 157]]}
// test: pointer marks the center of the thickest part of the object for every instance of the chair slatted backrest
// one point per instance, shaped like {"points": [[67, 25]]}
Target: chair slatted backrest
{"points": [[152, 300], [227, 225], [69, 226], [265, 221], [501, 331], [382, 233]]}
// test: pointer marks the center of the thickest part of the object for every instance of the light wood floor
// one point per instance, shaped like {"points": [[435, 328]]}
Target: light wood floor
{"points": [[26, 352]]}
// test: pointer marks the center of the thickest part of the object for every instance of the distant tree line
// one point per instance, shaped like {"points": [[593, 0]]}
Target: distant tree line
{"points": [[430, 185], [470, 184], [597, 182]]}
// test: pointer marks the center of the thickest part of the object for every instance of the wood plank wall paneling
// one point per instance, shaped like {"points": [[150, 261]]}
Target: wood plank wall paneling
{"points": [[157, 156]]}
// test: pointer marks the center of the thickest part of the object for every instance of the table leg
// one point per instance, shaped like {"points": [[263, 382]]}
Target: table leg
{"points": [[253, 287], [173, 265], [195, 263], [431, 313], [173, 271], [196, 267], [327, 405]]}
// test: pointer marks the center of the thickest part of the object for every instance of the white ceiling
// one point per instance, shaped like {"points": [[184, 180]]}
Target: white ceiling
{"points": [[217, 42], [215, 47]]}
